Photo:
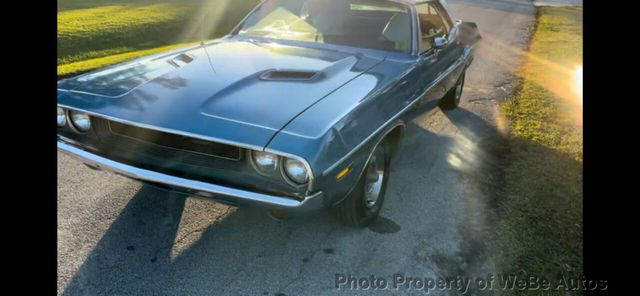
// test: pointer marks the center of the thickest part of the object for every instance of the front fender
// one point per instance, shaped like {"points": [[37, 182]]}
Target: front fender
{"points": [[356, 161], [342, 129]]}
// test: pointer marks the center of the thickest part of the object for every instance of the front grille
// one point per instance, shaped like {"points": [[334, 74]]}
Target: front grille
{"points": [[178, 156], [174, 141]]}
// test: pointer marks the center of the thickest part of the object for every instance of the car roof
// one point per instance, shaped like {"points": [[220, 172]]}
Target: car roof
{"points": [[414, 2]]}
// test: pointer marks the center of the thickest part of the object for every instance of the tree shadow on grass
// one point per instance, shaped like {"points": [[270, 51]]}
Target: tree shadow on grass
{"points": [[529, 218]]}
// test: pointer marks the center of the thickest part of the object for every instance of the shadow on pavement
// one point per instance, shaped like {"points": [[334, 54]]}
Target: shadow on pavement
{"points": [[134, 257], [247, 251], [430, 226]]}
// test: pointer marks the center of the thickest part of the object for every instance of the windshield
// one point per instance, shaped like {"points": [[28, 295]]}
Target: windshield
{"points": [[371, 24]]}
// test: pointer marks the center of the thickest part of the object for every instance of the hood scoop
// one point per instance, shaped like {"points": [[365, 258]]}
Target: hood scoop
{"points": [[288, 75], [120, 80], [181, 60]]}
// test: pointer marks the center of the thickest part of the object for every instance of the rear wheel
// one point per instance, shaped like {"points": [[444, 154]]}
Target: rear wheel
{"points": [[362, 206], [452, 99]]}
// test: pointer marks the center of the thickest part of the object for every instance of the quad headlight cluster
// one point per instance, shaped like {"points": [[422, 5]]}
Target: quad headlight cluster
{"points": [[79, 121], [293, 170], [62, 117], [269, 164]]}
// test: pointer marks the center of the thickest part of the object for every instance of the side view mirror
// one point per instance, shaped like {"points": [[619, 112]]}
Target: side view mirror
{"points": [[440, 42], [469, 33]]}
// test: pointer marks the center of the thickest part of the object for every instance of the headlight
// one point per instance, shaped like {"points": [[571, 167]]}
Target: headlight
{"points": [[81, 121], [296, 171], [264, 162], [62, 117]]}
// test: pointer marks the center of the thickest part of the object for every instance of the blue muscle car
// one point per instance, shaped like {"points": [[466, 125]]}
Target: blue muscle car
{"points": [[300, 107]]}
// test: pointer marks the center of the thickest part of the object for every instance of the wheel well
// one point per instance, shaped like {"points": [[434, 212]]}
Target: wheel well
{"points": [[394, 137]]}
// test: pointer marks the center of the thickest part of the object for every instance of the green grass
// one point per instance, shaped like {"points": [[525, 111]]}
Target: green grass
{"points": [[96, 33], [82, 66], [540, 227]]}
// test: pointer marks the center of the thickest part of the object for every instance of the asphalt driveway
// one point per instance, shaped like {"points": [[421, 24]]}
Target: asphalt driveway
{"points": [[119, 237]]}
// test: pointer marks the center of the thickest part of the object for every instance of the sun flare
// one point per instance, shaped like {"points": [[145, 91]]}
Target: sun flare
{"points": [[577, 76]]}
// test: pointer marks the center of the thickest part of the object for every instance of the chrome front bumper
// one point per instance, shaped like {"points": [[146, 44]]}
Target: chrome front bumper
{"points": [[187, 186]]}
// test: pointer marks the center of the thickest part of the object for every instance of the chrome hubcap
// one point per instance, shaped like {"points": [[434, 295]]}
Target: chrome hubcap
{"points": [[375, 178]]}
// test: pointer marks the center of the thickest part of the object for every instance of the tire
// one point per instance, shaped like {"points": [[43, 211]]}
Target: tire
{"points": [[451, 100], [356, 210]]}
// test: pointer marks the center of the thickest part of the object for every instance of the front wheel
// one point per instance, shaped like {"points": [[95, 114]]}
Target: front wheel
{"points": [[452, 99], [362, 206]]}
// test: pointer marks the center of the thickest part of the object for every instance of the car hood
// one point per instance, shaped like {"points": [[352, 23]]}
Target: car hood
{"points": [[235, 91]]}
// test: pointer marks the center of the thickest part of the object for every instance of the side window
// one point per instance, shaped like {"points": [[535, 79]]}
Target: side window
{"points": [[433, 23]]}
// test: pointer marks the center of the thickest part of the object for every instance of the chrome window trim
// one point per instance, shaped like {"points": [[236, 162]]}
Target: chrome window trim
{"points": [[447, 18]]}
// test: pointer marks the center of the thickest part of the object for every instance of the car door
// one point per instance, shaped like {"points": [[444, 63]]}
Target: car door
{"points": [[434, 61], [452, 50]]}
